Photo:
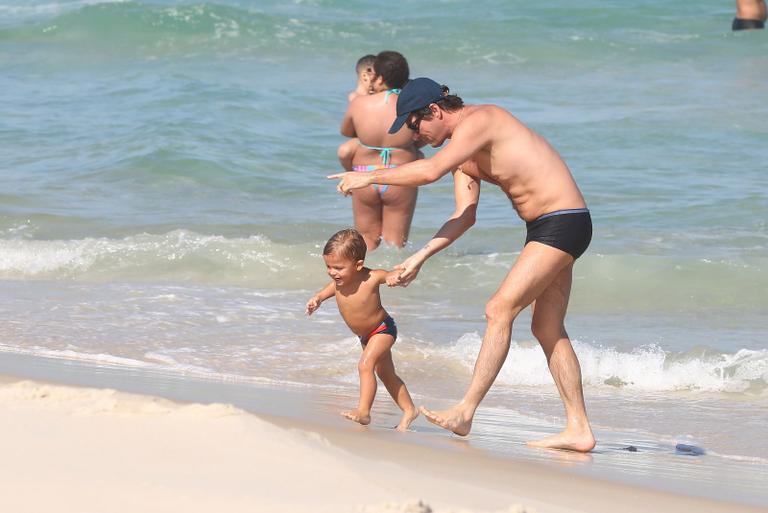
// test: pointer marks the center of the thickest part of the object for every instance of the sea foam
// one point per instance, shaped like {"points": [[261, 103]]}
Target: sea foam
{"points": [[648, 368]]}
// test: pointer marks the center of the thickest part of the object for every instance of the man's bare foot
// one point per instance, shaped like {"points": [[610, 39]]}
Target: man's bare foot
{"points": [[408, 417], [579, 442], [357, 417], [453, 419]]}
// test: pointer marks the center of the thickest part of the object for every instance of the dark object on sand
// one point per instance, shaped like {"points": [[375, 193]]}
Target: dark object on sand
{"points": [[689, 450]]}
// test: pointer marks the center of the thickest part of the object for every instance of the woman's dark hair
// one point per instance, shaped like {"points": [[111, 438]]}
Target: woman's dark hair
{"points": [[392, 67], [449, 102]]}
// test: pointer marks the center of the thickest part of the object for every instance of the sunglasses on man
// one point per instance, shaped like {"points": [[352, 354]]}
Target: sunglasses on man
{"points": [[414, 122]]}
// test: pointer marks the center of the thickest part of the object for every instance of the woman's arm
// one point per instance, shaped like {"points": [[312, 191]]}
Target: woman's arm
{"points": [[347, 124], [466, 140]]}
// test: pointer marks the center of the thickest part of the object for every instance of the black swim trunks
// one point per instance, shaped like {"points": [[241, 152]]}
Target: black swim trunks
{"points": [[566, 230], [742, 24], [387, 327]]}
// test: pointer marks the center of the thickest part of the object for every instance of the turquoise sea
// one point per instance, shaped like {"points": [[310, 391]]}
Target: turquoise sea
{"points": [[163, 206]]}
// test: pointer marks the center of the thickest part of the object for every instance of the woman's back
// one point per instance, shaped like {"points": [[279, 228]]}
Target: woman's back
{"points": [[381, 213], [372, 116]]}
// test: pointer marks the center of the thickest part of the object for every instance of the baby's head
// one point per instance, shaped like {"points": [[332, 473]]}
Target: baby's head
{"points": [[344, 254], [364, 69]]}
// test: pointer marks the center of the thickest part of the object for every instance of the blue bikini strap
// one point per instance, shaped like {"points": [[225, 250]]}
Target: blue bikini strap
{"points": [[390, 91], [384, 153]]}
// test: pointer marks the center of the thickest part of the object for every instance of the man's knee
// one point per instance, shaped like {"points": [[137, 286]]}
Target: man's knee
{"points": [[500, 310], [547, 332]]}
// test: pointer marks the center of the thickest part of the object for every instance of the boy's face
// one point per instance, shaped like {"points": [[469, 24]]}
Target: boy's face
{"points": [[342, 269], [377, 84]]}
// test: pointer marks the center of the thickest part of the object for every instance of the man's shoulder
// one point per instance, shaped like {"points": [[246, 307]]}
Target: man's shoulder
{"points": [[487, 109], [488, 116]]}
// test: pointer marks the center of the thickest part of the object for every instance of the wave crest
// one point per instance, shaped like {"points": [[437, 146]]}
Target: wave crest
{"points": [[179, 254], [647, 369]]}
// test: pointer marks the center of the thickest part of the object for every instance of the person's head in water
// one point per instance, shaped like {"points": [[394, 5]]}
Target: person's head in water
{"points": [[390, 71], [750, 15], [344, 254], [423, 99]]}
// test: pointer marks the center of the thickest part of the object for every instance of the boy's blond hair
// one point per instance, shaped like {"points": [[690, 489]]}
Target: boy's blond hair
{"points": [[348, 243]]}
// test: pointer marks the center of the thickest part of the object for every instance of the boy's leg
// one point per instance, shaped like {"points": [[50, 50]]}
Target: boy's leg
{"points": [[397, 389], [376, 347], [346, 153]]}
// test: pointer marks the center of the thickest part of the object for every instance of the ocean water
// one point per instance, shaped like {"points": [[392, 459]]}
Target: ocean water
{"points": [[163, 206]]}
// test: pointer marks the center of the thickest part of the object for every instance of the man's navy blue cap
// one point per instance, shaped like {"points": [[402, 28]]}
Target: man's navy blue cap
{"points": [[416, 94]]}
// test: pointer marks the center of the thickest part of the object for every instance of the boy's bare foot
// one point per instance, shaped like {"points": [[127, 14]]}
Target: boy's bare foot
{"points": [[579, 441], [357, 417], [454, 419], [408, 417]]}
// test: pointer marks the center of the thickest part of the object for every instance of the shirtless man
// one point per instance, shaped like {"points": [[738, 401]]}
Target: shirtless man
{"points": [[750, 14], [489, 144], [381, 212]]}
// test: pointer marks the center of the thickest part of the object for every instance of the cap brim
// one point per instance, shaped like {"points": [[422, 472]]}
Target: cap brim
{"points": [[399, 122]]}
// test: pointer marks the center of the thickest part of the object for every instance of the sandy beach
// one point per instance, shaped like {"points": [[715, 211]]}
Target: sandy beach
{"points": [[165, 204], [69, 448]]}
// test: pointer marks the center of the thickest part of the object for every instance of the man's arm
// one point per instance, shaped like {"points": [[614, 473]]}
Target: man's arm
{"points": [[467, 194], [316, 300], [418, 172], [466, 140]]}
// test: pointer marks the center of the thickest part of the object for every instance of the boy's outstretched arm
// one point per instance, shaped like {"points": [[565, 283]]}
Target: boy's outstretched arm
{"points": [[316, 300], [383, 276]]}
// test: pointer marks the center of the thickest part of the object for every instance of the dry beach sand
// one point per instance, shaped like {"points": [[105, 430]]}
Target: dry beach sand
{"points": [[78, 449]]}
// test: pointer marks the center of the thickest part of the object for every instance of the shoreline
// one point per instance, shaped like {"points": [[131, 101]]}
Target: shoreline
{"points": [[443, 472]]}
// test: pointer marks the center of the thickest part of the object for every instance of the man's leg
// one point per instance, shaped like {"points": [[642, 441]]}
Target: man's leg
{"points": [[535, 269], [548, 326]]}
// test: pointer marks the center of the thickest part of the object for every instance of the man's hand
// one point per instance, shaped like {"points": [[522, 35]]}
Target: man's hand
{"points": [[407, 271], [349, 181], [312, 305]]}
